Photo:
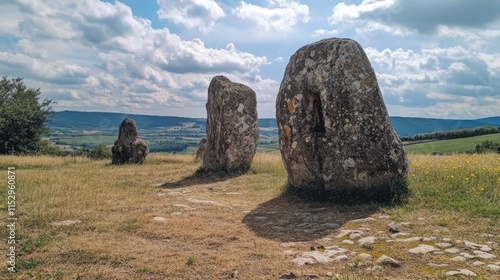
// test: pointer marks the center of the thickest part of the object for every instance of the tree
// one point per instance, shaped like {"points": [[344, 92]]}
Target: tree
{"points": [[22, 117]]}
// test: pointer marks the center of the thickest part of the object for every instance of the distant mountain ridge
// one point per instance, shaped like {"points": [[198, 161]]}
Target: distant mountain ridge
{"points": [[404, 126]]}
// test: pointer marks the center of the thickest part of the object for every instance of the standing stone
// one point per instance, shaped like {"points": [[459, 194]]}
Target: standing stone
{"points": [[129, 148], [232, 128], [201, 150], [334, 130]]}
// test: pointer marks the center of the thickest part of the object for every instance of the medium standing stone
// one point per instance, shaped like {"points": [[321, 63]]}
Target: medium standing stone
{"points": [[334, 130], [232, 126], [201, 150], [129, 148]]}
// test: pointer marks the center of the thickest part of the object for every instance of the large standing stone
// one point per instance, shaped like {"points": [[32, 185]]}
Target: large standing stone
{"points": [[334, 129], [232, 128], [129, 148]]}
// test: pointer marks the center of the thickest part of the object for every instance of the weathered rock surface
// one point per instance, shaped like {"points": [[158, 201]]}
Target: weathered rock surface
{"points": [[201, 150], [129, 148], [334, 129], [232, 127]]}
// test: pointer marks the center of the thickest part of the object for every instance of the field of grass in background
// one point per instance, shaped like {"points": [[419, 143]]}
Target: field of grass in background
{"points": [[460, 145], [458, 183], [117, 239]]}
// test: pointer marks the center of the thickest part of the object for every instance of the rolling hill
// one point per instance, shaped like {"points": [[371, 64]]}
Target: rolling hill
{"points": [[109, 122]]}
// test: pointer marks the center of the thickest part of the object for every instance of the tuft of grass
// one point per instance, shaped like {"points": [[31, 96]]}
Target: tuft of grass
{"points": [[27, 264], [190, 260], [35, 243], [268, 163]]}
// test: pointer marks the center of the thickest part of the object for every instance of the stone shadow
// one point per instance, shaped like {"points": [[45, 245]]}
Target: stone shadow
{"points": [[292, 219], [200, 178]]}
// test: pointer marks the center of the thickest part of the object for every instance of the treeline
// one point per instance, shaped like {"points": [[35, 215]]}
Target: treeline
{"points": [[167, 146], [454, 134], [45, 147], [101, 151]]}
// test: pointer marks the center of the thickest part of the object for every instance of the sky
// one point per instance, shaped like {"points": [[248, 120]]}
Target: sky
{"points": [[433, 59]]}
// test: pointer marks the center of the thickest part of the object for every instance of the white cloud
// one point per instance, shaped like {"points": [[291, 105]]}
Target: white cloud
{"points": [[280, 15], [425, 16], [109, 59], [343, 12], [201, 14], [324, 32], [421, 83]]}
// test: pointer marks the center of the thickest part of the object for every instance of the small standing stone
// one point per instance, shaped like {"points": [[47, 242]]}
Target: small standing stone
{"points": [[129, 148]]}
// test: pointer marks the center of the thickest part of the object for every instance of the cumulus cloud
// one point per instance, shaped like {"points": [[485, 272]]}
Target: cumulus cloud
{"points": [[201, 14], [420, 83], [324, 32], [110, 59], [424, 16], [279, 15]]}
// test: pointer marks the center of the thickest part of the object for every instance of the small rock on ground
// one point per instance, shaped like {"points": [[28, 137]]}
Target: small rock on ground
{"points": [[472, 245], [160, 220], [290, 275], [66, 223], [365, 257], [458, 259], [437, 265], [443, 245], [464, 272], [453, 250], [374, 268], [388, 261], [367, 240], [484, 255], [423, 249], [494, 268]]}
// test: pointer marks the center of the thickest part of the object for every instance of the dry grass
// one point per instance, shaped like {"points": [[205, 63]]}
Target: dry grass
{"points": [[118, 239]]}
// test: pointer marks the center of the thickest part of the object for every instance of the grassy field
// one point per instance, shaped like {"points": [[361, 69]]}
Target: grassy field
{"points": [[451, 146], [210, 230]]}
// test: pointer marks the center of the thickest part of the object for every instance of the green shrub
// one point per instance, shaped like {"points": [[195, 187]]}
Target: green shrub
{"points": [[100, 152], [488, 147]]}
